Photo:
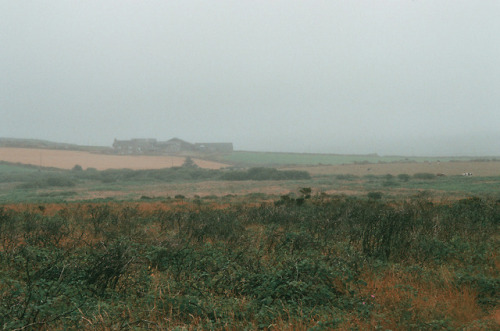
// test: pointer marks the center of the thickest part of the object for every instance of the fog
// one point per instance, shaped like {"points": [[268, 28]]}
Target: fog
{"points": [[388, 77]]}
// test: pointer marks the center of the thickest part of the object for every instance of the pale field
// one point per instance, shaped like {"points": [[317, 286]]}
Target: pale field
{"points": [[68, 159], [491, 168], [163, 190], [202, 189]]}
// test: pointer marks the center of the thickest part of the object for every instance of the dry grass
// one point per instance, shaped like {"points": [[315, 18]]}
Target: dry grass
{"points": [[395, 294], [491, 168]]}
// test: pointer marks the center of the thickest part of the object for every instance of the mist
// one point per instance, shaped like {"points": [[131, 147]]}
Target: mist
{"points": [[357, 77]]}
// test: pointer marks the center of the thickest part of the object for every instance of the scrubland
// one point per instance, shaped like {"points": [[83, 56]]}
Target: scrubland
{"points": [[309, 262], [188, 248]]}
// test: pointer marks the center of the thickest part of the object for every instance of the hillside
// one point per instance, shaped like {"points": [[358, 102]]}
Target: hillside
{"points": [[45, 144]]}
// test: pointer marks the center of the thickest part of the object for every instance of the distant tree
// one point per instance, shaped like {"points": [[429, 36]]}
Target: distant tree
{"points": [[77, 167], [189, 163]]}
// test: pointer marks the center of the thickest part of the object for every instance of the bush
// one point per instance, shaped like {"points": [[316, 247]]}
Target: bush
{"points": [[189, 163], [374, 195], [250, 266], [424, 175], [404, 177], [346, 177], [60, 182], [262, 173], [50, 181]]}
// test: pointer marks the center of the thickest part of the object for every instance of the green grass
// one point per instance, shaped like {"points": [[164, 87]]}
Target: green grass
{"points": [[20, 183], [15, 168], [282, 159], [471, 185], [324, 263], [450, 186], [439, 187]]}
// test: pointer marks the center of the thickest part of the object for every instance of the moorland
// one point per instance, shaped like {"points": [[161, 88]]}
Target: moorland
{"points": [[295, 243]]}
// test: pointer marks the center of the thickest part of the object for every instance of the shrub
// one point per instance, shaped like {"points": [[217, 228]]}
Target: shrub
{"points": [[404, 177], [251, 265], [374, 195], [50, 181], [262, 173], [346, 177], [390, 182], [189, 163], [60, 181], [424, 175]]}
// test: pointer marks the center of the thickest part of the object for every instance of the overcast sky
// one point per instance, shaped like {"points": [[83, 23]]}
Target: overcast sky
{"points": [[401, 77]]}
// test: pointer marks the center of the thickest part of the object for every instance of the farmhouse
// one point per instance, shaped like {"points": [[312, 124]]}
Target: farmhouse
{"points": [[172, 146], [134, 146], [214, 147]]}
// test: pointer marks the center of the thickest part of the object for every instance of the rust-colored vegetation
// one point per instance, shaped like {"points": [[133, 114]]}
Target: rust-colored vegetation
{"points": [[292, 264]]}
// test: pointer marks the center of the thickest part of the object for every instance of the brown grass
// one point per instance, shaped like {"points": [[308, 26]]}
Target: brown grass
{"points": [[68, 159], [395, 294]]}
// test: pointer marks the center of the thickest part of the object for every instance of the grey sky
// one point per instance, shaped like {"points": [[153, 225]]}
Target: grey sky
{"points": [[388, 77]]}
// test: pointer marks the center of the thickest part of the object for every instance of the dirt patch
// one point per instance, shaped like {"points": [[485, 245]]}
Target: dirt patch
{"points": [[491, 168], [68, 159]]}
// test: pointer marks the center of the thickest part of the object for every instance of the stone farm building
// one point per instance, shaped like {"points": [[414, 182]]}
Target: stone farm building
{"points": [[172, 146]]}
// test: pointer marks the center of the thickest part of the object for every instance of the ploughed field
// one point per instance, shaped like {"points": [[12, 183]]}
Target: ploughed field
{"points": [[68, 159]]}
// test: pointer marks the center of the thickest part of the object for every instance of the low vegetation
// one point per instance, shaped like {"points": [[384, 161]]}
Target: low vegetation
{"points": [[19, 183], [30, 177], [284, 159], [326, 262]]}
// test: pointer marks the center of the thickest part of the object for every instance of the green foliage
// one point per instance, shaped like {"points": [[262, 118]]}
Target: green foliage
{"points": [[106, 265], [404, 177], [261, 173], [190, 172], [283, 159], [346, 177], [48, 181], [389, 182], [189, 163], [244, 266], [424, 175], [374, 195]]}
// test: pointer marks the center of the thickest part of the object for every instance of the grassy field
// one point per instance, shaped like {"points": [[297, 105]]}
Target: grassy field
{"points": [[247, 249], [283, 159], [450, 168], [20, 183]]}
